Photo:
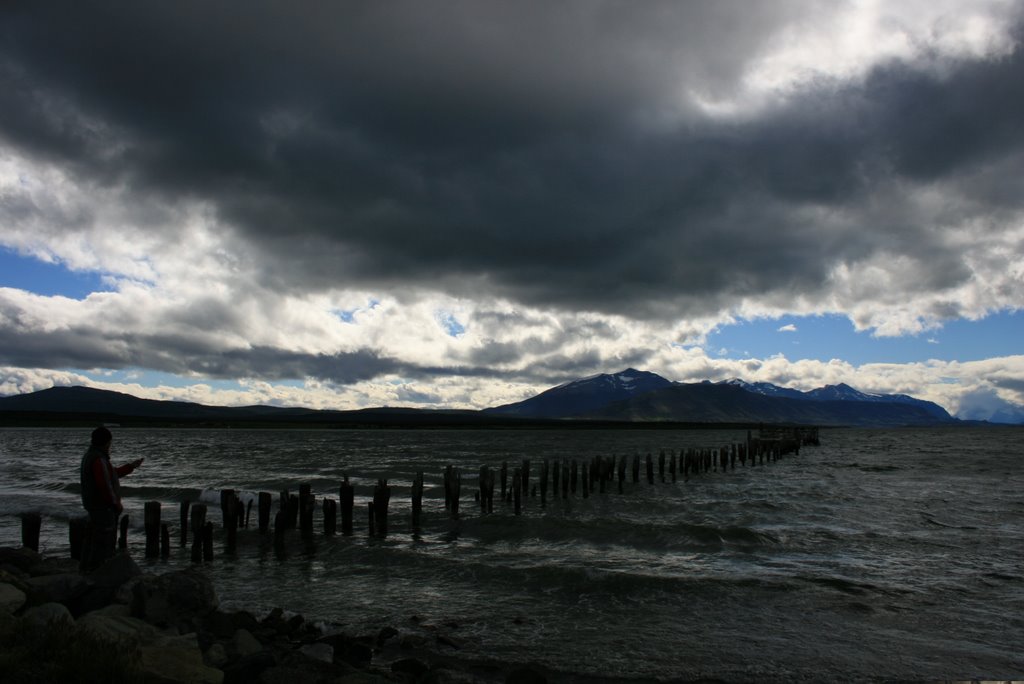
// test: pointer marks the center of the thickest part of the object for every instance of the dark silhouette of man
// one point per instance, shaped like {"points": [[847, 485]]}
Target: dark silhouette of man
{"points": [[101, 497]]}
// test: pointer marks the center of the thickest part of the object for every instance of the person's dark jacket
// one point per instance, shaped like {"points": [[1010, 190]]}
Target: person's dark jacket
{"points": [[101, 487]]}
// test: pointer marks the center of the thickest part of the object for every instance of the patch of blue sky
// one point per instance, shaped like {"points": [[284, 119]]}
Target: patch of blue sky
{"points": [[151, 378], [830, 337], [349, 315], [451, 325], [49, 279]]}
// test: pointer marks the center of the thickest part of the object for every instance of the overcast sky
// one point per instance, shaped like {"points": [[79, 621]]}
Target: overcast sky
{"points": [[459, 204]]}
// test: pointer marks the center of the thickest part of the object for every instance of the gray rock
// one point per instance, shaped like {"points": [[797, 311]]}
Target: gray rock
{"points": [[47, 613], [118, 628], [22, 558], [243, 643], [322, 652], [216, 656], [64, 588], [410, 666], [11, 598], [173, 660], [173, 598]]}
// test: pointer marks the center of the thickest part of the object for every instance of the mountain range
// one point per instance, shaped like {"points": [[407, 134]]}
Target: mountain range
{"points": [[631, 395]]}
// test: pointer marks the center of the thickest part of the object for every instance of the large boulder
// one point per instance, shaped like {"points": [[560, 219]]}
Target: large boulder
{"points": [[47, 613], [176, 660], [11, 598], [22, 558], [106, 583], [121, 629], [173, 599], [64, 588]]}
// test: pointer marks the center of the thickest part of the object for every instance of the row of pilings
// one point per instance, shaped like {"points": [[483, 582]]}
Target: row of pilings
{"points": [[558, 479]]}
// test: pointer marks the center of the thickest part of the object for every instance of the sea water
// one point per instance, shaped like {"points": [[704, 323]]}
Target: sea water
{"points": [[891, 554]]}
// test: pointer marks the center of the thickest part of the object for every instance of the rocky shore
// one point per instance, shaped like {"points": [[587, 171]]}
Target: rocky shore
{"points": [[119, 624]]}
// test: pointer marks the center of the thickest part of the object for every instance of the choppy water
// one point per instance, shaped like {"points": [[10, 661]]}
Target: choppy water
{"points": [[880, 554]]}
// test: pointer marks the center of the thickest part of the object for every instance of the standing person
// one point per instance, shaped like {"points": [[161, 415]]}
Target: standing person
{"points": [[101, 497]]}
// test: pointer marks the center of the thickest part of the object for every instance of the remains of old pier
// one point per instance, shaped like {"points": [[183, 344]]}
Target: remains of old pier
{"points": [[563, 479]]}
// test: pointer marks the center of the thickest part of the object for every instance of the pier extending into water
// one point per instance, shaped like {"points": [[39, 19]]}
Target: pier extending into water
{"points": [[516, 485]]}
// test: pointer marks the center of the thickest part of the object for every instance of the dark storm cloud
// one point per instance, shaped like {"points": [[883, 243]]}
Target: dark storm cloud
{"points": [[510, 148]]}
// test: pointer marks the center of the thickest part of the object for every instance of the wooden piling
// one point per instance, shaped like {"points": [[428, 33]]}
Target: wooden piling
{"points": [[307, 504], [524, 475], [330, 517], [504, 479], [517, 490], [661, 466], [565, 480], [347, 502], [672, 465], [636, 468], [556, 476], [226, 495], [622, 472], [31, 523], [453, 489], [152, 525], [230, 505], [184, 522], [485, 474], [280, 523], [265, 501], [650, 468], [381, 498], [198, 522], [545, 468], [208, 542], [585, 478]]}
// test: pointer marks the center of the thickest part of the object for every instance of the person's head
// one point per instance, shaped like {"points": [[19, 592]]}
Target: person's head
{"points": [[101, 438]]}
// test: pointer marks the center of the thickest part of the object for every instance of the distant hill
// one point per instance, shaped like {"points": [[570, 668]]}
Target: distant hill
{"points": [[634, 396], [585, 396]]}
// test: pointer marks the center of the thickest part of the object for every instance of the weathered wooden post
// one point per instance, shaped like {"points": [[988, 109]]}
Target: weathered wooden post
{"points": [[381, 498], [556, 475], [661, 466], [165, 541], [152, 524], [505, 477], [453, 489], [485, 472], [280, 523], [524, 483], [230, 509], [517, 491], [31, 523], [347, 499], [565, 480], [672, 465], [650, 469], [226, 495], [330, 516], [198, 523], [208, 542], [184, 522], [622, 473], [76, 535], [586, 481], [122, 540], [293, 511], [545, 468], [266, 500], [417, 499], [307, 504]]}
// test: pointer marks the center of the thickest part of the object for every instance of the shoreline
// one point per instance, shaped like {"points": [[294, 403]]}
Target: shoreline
{"points": [[168, 627]]}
